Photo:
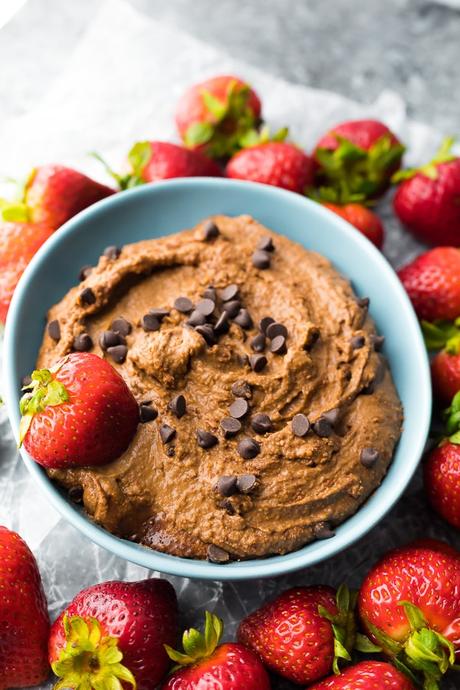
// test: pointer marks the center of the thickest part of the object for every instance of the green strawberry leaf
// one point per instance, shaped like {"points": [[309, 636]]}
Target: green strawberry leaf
{"points": [[443, 155], [364, 645], [139, 157], [216, 107], [442, 335], [198, 133], [14, 212], [197, 645]]}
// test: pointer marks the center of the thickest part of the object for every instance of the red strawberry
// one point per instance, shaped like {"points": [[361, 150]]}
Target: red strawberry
{"points": [[432, 281], [409, 603], [427, 201], [216, 114], [359, 155], [442, 469], [206, 665], [367, 675], [367, 222], [18, 244], [302, 633], [112, 632], [78, 413], [24, 622], [445, 375], [277, 163]]}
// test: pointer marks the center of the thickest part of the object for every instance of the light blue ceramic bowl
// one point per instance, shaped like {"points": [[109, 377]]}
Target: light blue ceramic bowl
{"points": [[167, 207]]}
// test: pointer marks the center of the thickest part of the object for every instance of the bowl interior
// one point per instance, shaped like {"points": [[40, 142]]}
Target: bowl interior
{"points": [[167, 207]]}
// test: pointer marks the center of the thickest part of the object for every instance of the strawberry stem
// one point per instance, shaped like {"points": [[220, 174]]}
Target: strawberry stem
{"points": [[443, 155], [197, 645], [43, 391]]}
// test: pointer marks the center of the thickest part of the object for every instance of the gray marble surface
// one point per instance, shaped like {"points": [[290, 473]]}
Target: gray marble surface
{"points": [[358, 50]]}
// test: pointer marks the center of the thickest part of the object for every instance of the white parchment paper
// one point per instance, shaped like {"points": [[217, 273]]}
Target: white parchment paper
{"points": [[120, 86]]}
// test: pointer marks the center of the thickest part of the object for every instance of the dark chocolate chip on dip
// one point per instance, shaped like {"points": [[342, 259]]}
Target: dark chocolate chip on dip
{"points": [[278, 345], [258, 343], [183, 305], [257, 363], [178, 406], [226, 485], [112, 252], [149, 322], [196, 318], [265, 323], [54, 330], [261, 423], [147, 413], [110, 339], [229, 293], [222, 324], [261, 259], [121, 326], [159, 312], [239, 408], [210, 231], [230, 426], [242, 389], [265, 244], [248, 448], [300, 425], [231, 308], [245, 483], [369, 457], [206, 306], [217, 555], [85, 271], [324, 531], [274, 329], [167, 433], [118, 353], [357, 342], [206, 439], [87, 297], [82, 342]]}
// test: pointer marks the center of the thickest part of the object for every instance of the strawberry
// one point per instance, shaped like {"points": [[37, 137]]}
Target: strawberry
{"points": [[112, 635], [207, 664], [359, 156], [215, 114], [18, 244], [367, 222], [427, 201], [79, 413], [53, 194], [302, 634], [445, 375], [367, 675], [277, 163], [432, 281], [24, 621], [409, 603], [442, 469]]}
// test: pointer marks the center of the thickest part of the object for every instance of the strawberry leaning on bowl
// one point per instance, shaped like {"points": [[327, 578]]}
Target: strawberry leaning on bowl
{"points": [[427, 200], [359, 156], [362, 218], [367, 675], [409, 604], [442, 469], [23, 616], [277, 163], [79, 413], [432, 281], [216, 114], [205, 664], [304, 633], [19, 241], [444, 336], [113, 635]]}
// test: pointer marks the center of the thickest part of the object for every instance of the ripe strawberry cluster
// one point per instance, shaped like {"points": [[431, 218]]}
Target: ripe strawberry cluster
{"points": [[122, 634]]}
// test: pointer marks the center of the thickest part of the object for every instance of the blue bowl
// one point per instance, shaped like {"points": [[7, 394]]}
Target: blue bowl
{"points": [[167, 207]]}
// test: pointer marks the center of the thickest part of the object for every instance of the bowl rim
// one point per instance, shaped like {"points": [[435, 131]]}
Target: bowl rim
{"points": [[239, 570]]}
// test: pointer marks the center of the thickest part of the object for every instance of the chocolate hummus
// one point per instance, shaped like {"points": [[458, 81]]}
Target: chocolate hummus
{"points": [[267, 413]]}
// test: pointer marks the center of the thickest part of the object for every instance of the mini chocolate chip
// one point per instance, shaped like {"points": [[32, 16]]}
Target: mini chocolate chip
{"points": [[332, 416], [26, 381], [207, 332], [118, 353], [171, 451], [265, 244], [228, 506], [167, 433], [87, 296], [261, 259], [230, 426], [210, 293], [312, 337], [324, 531], [242, 389], [205, 439], [147, 413], [242, 359], [226, 485], [278, 345], [258, 343], [232, 308], [206, 307], [196, 318], [229, 293], [300, 425], [369, 389], [239, 408], [245, 483], [110, 339], [183, 304], [82, 342], [243, 319], [322, 427], [248, 448], [149, 322], [178, 406], [112, 252], [377, 341], [159, 313], [121, 326], [54, 330], [363, 302], [210, 231], [265, 323], [369, 456], [257, 363], [357, 342], [222, 324], [275, 329], [261, 423], [217, 555], [75, 494], [85, 271]]}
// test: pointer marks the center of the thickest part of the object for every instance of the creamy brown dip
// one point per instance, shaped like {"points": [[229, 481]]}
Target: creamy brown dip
{"points": [[186, 485]]}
